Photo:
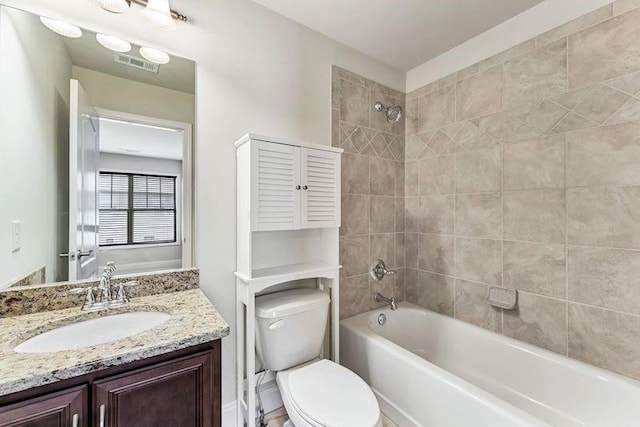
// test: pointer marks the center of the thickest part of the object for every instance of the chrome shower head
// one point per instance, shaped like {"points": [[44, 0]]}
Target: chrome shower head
{"points": [[393, 113]]}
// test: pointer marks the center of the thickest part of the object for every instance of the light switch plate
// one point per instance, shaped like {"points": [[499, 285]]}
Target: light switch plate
{"points": [[16, 235]]}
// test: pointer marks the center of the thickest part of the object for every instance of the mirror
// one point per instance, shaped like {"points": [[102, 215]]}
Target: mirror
{"points": [[95, 154]]}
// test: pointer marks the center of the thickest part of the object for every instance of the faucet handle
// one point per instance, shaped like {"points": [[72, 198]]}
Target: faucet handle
{"points": [[122, 294], [89, 298], [379, 270]]}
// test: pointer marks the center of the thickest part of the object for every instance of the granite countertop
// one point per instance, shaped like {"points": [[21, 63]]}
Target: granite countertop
{"points": [[194, 320]]}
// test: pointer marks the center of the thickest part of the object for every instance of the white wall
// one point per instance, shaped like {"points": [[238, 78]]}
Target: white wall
{"points": [[34, 132], [149, 257], [115, 93], [539, 19], [257, 71]]}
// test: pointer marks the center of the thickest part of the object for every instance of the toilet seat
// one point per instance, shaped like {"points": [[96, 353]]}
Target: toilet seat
{"points": [[325, 394]]}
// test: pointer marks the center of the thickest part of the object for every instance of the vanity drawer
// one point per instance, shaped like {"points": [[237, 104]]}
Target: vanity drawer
{"points": [[60, 409]]}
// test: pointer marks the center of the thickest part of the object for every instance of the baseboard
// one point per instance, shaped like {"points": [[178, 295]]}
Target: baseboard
{"points": [[271, 401]]}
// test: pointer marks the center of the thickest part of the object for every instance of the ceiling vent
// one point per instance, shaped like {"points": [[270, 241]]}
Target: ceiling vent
{"points": [[134, 62]]}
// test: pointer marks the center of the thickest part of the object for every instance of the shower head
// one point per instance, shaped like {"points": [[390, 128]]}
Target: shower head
{"points": [[393, 113]]}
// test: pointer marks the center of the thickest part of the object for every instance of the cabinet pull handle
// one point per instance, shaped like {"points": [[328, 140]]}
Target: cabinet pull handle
{"points": [[74, 420], [297, 187], [304, 187], [103, 411]]}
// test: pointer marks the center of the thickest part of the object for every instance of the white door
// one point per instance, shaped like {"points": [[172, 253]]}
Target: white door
{"points": [[275, 174], [320, 176], [83, 179]]}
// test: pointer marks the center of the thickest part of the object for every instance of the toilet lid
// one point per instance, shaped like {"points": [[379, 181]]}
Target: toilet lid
{"points": [[332, 396]]}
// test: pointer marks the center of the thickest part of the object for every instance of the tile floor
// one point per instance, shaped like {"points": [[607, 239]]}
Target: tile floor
{"points": [[278, 417]]}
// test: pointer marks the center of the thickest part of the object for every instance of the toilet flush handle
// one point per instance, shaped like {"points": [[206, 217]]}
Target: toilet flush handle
{"points": [[277, 324]]}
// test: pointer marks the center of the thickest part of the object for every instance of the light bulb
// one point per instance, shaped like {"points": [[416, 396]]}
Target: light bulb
{"points": [[159, 14], [62, 28], [115, 6], [154, 55], [113, 43]]}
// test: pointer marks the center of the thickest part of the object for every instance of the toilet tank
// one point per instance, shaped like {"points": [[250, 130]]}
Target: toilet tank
{"points": [[290, 327]]}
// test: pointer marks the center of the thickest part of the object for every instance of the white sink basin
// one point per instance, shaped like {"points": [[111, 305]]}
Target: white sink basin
{"points": [[92, 332]]}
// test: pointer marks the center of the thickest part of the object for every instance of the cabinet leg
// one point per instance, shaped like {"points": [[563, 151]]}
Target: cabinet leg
{"points": [[240, 371]]}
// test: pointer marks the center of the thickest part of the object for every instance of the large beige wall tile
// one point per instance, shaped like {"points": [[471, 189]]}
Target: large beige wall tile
{"points": [[383, 246], [355, 214], [576, 25], [479, 260], [479, 171], [400, 251], [382, 214], [535, 215], [535, 163], [623, 6], [354, 255], [436, 292], [605, 277], [412, 214], [504, 127], [354, 295], [411, 286], [436, 176], [355, 103], [400, 214], [355, 174], [479, 215], [539, 321], [604, 155], [436, 214], [435, 253], [400, 176], [411, 173], [534, 76], [437, 109], [604, 216], [605, 50], [604, 338], [412, 125], [411, 250], [471, 306], [382, 176], [479, 94], [535, 267], [601, 102]]}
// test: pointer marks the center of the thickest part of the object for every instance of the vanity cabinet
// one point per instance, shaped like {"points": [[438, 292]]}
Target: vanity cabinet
{"points": [[181, 389], [67, 408], [290, 187]]}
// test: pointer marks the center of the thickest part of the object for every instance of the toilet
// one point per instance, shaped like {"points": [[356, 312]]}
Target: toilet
{"points": [[290, 329]]}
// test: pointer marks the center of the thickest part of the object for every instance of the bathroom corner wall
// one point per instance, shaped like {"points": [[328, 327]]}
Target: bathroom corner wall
{"points": [[372, 189], [523, 171]]}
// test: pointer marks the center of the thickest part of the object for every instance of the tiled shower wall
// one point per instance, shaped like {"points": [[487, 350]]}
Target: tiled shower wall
{"points": [[372, 189], [523, 171]]}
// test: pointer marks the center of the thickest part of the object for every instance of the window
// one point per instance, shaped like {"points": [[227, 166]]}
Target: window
{"points": [[136, 209]]}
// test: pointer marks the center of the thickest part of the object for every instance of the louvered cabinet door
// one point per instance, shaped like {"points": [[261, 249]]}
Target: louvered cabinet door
{"points": [[320, 176], [275, 203]]}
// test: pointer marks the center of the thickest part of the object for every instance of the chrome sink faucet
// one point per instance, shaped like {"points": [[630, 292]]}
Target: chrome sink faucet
{"points": [[378, 297], [106, 298]]}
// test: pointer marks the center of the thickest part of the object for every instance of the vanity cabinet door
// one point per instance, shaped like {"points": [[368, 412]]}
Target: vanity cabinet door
{"points": [[178, 393], [66, 408]]}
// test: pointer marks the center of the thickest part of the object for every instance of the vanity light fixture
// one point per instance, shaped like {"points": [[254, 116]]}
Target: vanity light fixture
{"points": [[159, 14], [154, 55], [113, 43], [115, 6], [61, 27]]}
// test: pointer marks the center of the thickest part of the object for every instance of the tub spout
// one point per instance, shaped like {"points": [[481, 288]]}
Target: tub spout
{"points": [[378, 297]]}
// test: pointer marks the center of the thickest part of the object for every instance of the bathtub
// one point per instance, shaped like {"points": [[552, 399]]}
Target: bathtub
{"points": [[427, 369]]}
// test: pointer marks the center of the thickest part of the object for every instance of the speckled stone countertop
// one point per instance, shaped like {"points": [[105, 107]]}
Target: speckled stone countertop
{"points": [[194, 320]]}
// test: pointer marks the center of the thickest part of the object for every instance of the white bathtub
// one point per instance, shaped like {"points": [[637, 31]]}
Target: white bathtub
{"points": [[432, 370]]}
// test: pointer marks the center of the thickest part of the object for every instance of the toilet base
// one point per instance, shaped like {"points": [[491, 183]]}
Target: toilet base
{"points": [[288, 424]]}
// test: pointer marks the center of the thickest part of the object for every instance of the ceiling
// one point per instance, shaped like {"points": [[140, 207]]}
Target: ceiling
{"points": [[179, 74], [140, 140], [401, 33]]}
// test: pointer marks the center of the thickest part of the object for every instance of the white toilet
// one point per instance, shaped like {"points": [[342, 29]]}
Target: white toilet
{"points": [[316, 392]]}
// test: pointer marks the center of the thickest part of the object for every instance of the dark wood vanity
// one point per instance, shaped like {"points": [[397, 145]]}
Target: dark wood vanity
{"points": [[178, 389]]}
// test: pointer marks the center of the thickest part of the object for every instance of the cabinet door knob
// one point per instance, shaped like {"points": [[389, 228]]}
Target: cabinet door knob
{"points": [[103, 414], [304, 187], [297, 187]]}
